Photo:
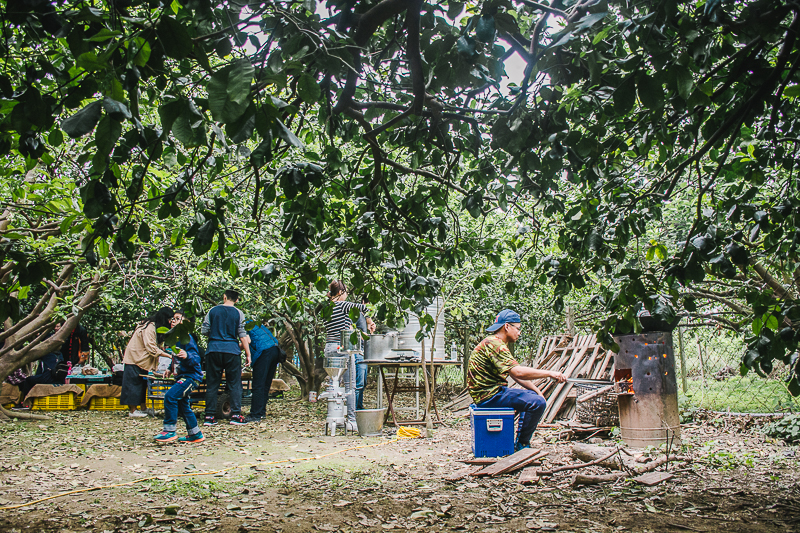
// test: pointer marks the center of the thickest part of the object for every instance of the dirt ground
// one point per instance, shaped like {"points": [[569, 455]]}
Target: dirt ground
{"points": [[736, 480]]}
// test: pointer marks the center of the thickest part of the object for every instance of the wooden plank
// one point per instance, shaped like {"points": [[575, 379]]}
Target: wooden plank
{"points": [[590, 395], [562, 389], [586, 371], [523, 464], [457, 399], [528, 476], [653, 478], [461, 473], [479, 461], [601, 370], [539, 350], [507, 462]]}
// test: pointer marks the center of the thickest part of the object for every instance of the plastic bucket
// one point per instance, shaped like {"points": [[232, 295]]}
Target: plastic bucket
{"points": [[370, 422]]}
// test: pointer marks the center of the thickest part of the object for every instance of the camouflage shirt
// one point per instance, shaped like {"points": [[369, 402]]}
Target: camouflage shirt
{"points": [[488, 368]]}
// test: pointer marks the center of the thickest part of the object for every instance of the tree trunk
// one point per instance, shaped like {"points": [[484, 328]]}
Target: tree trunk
{"points": [[29, 339]]}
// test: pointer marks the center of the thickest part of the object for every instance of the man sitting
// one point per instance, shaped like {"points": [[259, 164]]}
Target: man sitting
{"points": [[490, 365]]}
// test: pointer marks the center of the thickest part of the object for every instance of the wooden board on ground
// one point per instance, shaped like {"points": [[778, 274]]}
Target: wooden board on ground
{"points": [[462, 473], [653, 478], [485, 461], [529, 462], [528, 476], [507, 462]]}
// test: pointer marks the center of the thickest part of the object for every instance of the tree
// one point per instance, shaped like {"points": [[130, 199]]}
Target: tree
{"points": [[361, 131]]}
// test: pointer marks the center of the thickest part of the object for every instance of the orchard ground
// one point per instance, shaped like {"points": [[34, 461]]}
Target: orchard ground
{"points": [[736, 480]]}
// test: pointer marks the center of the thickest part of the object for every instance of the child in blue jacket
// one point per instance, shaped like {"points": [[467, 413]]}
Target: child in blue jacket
{"points": [[176, 400]]}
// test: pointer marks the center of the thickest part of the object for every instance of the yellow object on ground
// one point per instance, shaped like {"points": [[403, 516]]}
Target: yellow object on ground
{"points": [[408, 433]]}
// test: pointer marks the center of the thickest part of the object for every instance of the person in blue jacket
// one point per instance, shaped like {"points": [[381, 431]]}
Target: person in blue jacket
{"points": [[176, 401], [266, 356]]}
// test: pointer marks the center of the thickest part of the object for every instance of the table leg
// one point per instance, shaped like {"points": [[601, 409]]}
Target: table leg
{"points": [[390, 396], [380, 389]]}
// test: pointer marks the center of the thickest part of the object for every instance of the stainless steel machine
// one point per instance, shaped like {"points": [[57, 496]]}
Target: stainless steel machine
{"points": [[335, 393]]}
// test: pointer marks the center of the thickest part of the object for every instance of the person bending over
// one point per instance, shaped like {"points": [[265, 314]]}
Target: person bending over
{"points": [[188, 377], [141, 356]]}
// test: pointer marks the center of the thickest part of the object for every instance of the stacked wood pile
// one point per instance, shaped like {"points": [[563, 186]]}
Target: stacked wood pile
{"points": [[580, 356]]}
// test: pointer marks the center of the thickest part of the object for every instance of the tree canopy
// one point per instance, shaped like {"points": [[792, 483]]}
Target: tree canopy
{"points": [[357, 138]]}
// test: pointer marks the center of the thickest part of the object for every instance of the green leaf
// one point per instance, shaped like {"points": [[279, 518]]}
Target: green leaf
{"points": [[205, 236], [650, 92], [83, 121], [189, 127], [229, 91], [683, 81], [308, 89], [485, 29], [242, 129], [89, 61], [107, 134], [287, 135], [144, 232], [174, 37], [262, 154], [116, 109], [792, 90], [104, 35], [466, 46], [56, 138], [506, 23], [624, 97], [454, 9]]}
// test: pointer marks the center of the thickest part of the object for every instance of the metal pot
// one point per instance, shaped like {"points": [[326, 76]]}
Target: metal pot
{"points": [[379, 346]]}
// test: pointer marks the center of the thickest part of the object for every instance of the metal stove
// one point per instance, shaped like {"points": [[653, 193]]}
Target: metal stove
{"points": [[647, 389]]}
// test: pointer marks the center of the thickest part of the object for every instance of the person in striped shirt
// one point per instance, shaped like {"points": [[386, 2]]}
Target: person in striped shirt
{"points": [[338, 322]]}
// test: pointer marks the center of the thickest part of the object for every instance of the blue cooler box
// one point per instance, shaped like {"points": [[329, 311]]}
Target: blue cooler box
{"points": [[492, 431]]}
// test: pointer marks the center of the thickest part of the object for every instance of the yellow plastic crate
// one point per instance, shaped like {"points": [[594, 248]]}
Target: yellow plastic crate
{"points": [[8, 405], [67, 401], [81, 386], [106, 404], [155, 404]]}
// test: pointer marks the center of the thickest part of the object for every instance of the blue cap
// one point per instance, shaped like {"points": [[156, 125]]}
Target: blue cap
{"points": [[506, 316]]}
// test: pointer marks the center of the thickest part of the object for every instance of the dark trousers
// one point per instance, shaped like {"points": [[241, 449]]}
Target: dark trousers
{"points": [[42, 377], [231, 363], [528, 405], [361, 380], [264, 368], [176, 402], [31, 381]]}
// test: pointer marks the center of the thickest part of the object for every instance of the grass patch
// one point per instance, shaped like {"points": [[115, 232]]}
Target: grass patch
{"points": [[200, 487], [740, 394]]}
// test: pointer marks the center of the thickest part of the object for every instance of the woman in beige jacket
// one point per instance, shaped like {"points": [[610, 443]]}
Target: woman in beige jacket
{"points": [[141, 356]]}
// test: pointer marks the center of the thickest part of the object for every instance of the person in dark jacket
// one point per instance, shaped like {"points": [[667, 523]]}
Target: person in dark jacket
{"points": [[266, 354], [76, 348], [44, 376], [188, 377], [224, 327]]}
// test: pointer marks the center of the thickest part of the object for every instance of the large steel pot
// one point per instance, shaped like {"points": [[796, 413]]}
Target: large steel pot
{"points": [[379, 346]]}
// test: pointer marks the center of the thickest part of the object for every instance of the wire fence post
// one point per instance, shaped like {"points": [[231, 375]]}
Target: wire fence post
{"points": [[683, 359]]}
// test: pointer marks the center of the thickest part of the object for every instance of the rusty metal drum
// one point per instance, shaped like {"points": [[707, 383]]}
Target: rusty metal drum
{"points": [[648, 404]]}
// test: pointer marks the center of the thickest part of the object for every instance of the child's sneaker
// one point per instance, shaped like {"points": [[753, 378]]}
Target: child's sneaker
{"points": [[210, 421], [137, 414], [192, 439], [166, 436], [238, 420]]}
